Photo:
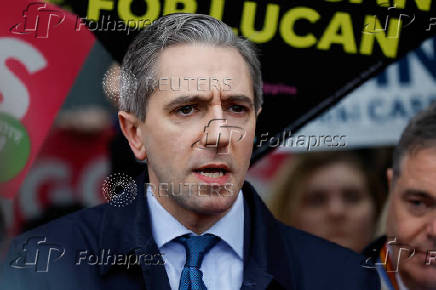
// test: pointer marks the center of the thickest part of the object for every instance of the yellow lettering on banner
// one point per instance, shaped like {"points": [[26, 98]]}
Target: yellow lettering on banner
{"points": [[217, 9], [152, 13], [384, 3], [170, 6], [94, 7], [340, 31], [423, 5], [351, 1], [388, 41], [287, 27], [269, 25]]}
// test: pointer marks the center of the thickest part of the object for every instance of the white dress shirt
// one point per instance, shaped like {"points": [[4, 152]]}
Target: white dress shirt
{"points": [[400, 282], [222, 266]]}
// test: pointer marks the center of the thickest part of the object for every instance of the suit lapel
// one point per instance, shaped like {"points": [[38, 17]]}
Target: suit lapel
{"points": [[128, 229], [155, 275], [266, 260]]}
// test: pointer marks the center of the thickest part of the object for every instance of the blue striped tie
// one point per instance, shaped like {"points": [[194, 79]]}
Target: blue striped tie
{"points": [[196, 247]]}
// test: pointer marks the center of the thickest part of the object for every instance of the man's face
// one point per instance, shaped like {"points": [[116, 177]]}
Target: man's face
{"points": [[199, 127], [412, 218]]}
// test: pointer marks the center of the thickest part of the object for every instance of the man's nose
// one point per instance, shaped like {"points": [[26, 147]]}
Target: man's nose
{"points": [[431, 228], [216, 135]]}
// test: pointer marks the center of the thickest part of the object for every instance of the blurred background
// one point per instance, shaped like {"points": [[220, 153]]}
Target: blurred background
{"points": [[328, 177]]}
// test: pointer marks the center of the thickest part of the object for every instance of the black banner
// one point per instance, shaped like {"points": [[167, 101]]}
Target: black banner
{"points": [[313, 53]]}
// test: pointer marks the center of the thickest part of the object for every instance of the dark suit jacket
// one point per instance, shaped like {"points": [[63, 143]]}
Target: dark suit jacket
{"points": [[72, 253]]}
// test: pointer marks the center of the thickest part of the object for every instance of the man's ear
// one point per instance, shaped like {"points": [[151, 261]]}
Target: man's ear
{"points": [[390, 177], [258, 112], [129, 124]]}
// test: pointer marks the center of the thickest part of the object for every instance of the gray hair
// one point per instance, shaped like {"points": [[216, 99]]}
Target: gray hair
{"points": [[419, 134], [140, 60]]}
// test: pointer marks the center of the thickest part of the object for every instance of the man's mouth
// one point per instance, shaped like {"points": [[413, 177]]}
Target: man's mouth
{"points": [[210, 173]]}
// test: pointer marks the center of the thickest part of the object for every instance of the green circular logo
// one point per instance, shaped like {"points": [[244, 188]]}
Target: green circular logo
{"points": [[14, 147]]}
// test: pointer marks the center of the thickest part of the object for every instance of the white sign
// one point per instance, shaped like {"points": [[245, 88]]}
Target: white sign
{"points": [[376, 113]]}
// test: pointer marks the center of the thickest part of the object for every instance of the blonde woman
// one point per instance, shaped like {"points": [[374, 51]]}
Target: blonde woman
{"points": [[329, 194]]}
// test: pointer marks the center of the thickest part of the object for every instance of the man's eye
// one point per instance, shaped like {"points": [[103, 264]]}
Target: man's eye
{"points": [[238, 108], [416, 203], [186, 110], [417, 206]]}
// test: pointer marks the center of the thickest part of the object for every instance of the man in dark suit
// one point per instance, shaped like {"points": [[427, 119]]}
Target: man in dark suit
{"points": [[190, 94], [406, 257]]}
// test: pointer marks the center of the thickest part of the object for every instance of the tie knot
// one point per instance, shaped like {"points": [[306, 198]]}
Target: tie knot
{"points": [[196, 247]]}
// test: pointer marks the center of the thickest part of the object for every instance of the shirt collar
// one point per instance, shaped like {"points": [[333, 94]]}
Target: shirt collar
{"points": [[129, 227], [400, 282], [230, 228]]}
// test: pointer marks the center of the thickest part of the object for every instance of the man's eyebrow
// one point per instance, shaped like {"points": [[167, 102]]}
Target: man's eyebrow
{"points": [[418, 193], [183, 100], [239, 98]]}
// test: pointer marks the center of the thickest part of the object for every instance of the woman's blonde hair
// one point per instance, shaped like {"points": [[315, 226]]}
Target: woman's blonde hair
{"points": [[297, 169]]}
